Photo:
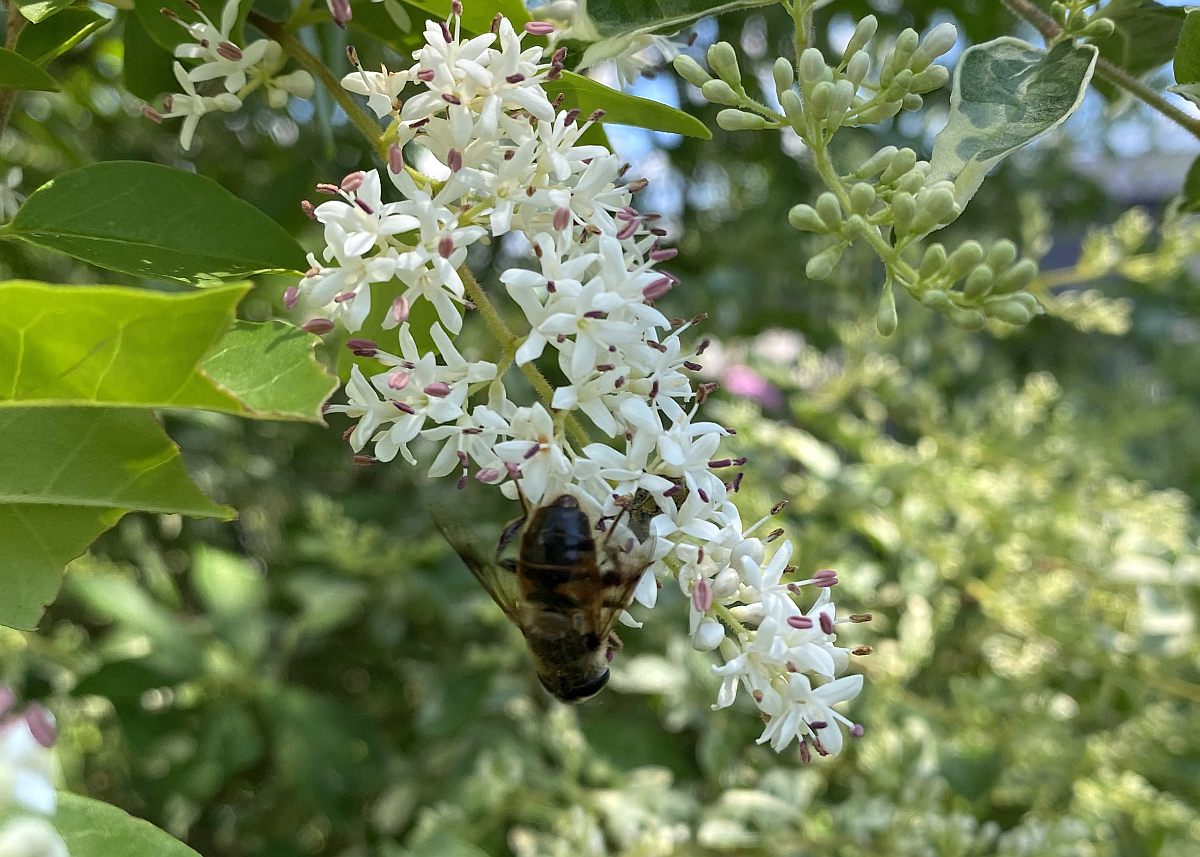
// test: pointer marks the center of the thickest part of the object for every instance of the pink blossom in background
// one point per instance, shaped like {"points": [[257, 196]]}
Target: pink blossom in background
{"points": [[741, 380]]}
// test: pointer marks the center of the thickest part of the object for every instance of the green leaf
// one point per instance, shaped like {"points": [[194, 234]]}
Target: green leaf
{"points": [[146, 68], [112, 346], [613, 24], [1007, 93], [40, 43], [94, 829], [1144, 39], [271, 369], [1187, 53], [66, 475], [16, 72], [154, 221], [621, 108], [477, 16], [43, 9], [1190, 195]]}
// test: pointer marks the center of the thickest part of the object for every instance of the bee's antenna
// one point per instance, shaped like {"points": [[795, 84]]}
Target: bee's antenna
{"points": [[515, 472]]}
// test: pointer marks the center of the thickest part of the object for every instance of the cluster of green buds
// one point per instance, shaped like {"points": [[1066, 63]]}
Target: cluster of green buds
{"points": [[1079, 20], [991, 284]]}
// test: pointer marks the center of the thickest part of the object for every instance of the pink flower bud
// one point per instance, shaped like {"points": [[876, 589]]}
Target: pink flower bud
{"points": [[800, 623], [438, 389], [340, 10], [539, 28], [657, 289], [353, 181], [291, 296], [319, 326]]}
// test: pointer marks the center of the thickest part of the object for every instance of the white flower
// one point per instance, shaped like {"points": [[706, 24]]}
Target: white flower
{"points": [[382, 87], [26, 769], [31, 837], [535, 450], [191, 106], [362, 221], [801, 711]]}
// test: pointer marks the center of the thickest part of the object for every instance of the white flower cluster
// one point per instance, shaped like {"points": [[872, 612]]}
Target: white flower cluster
{"points": [[242, 70], [26, 769], [508, 161]]}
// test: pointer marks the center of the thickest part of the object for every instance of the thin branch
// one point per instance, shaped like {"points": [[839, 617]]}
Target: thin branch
{"points": [[8, 97], [1051, 31]]}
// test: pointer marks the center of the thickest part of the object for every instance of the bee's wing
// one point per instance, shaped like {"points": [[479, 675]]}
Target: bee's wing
{"points": [[622, 569], [499, 582]]}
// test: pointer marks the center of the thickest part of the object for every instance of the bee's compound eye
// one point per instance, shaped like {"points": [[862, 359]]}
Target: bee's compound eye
{"points": [[584, 691]]}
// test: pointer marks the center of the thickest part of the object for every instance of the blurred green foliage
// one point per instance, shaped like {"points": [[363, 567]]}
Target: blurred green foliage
{"points": [[322, 677]]}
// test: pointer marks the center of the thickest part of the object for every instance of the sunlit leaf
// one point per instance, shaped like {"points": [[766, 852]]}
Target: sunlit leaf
{"points": [[621, 108], [40, 10], [94, 829], [16, 72], [40, 43]]}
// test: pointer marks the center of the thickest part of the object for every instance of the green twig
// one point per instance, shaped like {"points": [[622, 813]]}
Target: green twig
{"points": [[8, 97]]}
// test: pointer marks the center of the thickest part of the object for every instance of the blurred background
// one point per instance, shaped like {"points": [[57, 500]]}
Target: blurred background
{"points": [[1017, 510]]}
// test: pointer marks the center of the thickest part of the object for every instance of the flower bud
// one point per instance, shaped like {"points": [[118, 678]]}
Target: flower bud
{"points": [[965, 257], [912, 101], [1009, 310], [821, 99], [1016, 278], [901, 164], [940, 39], [967, 319], [913, 180], [858, 67], [878, 113], [937, 299], [934, 77], [751, 549], [740, 120], [784, 75], [277, 98], [830, 211], [876, 163], [885, 317], [1059, 12], [720, 92], [812, 66], [1099, 28], [904, 209], [933, 261], [793, 106], [978, 283], [902, 51], [821, 265], [725, 584], [722, 59], [937, 207], [862, 197], [1001, 255], [227, 102], [843, 98], [805, 218], [708, 636], [690, 70], [899, 85], [298, 83], [864, 31]]}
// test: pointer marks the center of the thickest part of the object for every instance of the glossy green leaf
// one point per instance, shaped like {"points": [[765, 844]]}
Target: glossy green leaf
{"points": [[1144, 40], [16, 72], [1007, 93], [271, 369], [1187, 52], [154, 221], [146, 67], [40, 43], [112, 346], [94, 829], [621, 108], [40, 10], [612, 24], [1190, 195], [66, 475]]}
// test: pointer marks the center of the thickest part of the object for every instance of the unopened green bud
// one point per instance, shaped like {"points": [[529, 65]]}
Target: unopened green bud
{"points": [[937, 299], [812, 66], [901, 164], [1059, 12], [793, 106], [1076, 20], [967, 319], [938, 205], [978, 283], [690, 70], [858, 67], [965, 257], [720, 92], [940, 39], [898, 88], [881, 160], [862, 197], [854, 227], [784, 75], [885, 316], [1001, 255], [843, 97], [722, 59], [904, 209], [1099, 28], [912, 181], [805, 218], [902, 51], [821, 265], [863, 33], [933, 261], [879, 113], [1016, 278], [740, 120], [912, 101], [934, 77], [830, 211], [822, 99], [1009, 310]]}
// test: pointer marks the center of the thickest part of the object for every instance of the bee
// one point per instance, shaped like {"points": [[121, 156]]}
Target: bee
{"points": [[563, 590]]}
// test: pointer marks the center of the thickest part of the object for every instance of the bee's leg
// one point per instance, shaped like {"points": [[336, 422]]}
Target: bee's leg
{"points": [[612, 528], [506, 537]]}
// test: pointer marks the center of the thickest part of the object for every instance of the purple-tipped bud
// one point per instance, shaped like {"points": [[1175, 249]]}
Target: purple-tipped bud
{"points": [[341, 12], [454, 160], [353, 181], [657, 289], [663, 253], [562, 218], [229, 51], [399, 310], [291, 296], [438, 389], [800, 623], [395, 159], [41, 725], [826, 623], [702, 596], [319, 326], [539, 28]]}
